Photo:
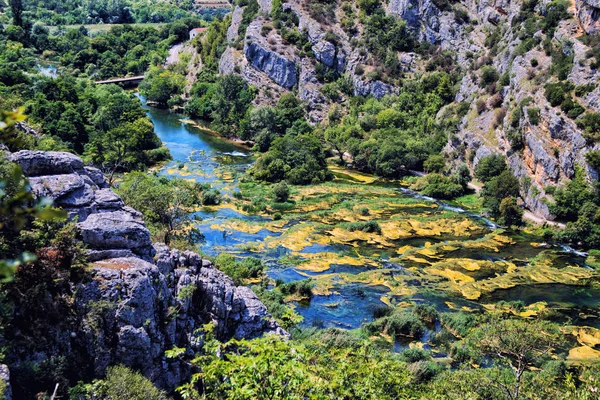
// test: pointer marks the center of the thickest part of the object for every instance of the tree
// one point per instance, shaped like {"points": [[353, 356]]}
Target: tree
{"points": [[298, 159], [434, 163], [230, 102], [490, 167], [165, 203], [16, 7], [568, 200], [123, 148], [496, 189], [281, 191], [160, 84], [517, 344], [510, 213]]}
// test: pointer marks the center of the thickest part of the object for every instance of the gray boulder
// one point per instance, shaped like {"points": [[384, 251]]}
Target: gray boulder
{"points": [[116, 230], [36, 163]]}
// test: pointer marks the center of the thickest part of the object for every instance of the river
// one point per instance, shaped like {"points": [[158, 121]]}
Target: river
{"points": [[429, 252]]}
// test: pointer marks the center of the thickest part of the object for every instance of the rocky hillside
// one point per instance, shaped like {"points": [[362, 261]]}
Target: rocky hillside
{"points": [[140, 299], [505, 54]]}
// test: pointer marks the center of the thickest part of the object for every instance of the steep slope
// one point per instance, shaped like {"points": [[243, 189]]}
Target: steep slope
{"points": [[506, 52], [139, 299]]}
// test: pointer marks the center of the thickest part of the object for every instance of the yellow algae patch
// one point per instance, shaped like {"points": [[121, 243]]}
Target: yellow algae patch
{"points": [[357, 176], [586, 335], [386, 300], [294, 239], [339, 235], [451, 274], [241, 226], [320, 262], [429, 252], [583, 353], [404, 249], [417, 260]]}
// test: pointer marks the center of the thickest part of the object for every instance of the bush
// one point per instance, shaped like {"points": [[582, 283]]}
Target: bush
{"points": [[555, 93], [489, 75], [413, 355], [426, 313], [369, 227], [533, 113], [439, 186], [120, 383], [211, 197], [396, 325], [590, 123], [281, 192], [240, 271]]}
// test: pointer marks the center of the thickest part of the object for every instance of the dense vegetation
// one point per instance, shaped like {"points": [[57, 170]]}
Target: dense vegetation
{"points": [[76, 12]]}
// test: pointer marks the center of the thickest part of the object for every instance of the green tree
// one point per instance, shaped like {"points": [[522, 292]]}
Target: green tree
{"points": [[165, 203], [517, 344], [160, 85], [496, 189], [230, 102], [490, 167], [510, 213]]}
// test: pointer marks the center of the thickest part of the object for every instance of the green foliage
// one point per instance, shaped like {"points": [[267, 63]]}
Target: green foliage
{"points": [[490, 167], [590, 123], [489, 75], [510, 213], [568, 200], [120, 383], [211, 197], [439, 186], [434, 163], [399, 324], [593, 159], [242, 271], [160, 85], [390, 136], [281, 192], [297, 159], [272, 368], [164, 202], [533, 113], [497, 189], [368, 226]]}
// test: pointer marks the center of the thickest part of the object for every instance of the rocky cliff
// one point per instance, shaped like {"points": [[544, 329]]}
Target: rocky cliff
{"points": [[139, 299], [475, 35]]}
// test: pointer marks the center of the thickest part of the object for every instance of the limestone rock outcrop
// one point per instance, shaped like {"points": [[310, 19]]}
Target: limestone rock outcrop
{"points": [[140, 299]]}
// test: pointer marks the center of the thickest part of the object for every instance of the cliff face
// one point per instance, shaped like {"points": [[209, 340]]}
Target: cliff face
{"points": [[551, 148], [141, 299]]}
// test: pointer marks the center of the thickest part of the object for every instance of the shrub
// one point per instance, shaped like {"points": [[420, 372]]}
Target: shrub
{"points": [[368, 227], [120, 383], [211, 197], [489, 75], [555, 93], [398, 324], [412, 355], [281, 192], [533, 113], [481, 106], [590, 123], [426, 313]]}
